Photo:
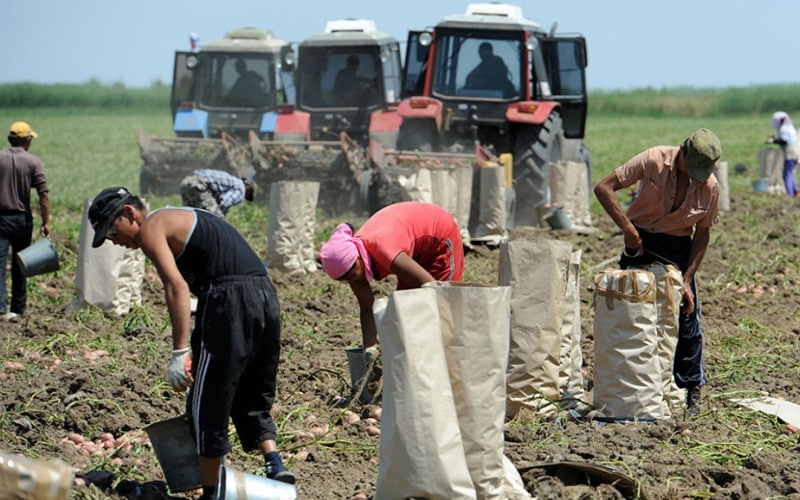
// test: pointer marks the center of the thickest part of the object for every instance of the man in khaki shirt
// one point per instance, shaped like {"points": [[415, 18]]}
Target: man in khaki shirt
{"points": [[669, 221]]}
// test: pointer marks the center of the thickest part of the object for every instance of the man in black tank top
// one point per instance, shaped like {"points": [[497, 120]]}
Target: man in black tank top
{"points": [[234, 343]]}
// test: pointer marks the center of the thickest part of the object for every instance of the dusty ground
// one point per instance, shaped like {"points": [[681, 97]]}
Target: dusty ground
{"points": [[67, 377]]}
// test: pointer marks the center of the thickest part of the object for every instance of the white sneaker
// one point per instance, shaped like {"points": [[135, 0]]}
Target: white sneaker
{"points": [[11, 316]]}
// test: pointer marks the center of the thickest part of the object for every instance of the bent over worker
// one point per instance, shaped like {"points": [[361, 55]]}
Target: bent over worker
{"points": [[215, 190], [235, 345], [419, 242]]}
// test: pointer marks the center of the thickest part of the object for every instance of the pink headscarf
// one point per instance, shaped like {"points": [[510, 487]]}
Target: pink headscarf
{"points": [[340, 252]]}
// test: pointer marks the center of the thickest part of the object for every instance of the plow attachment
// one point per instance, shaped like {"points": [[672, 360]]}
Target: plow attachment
{"points": [[166, 161], [474, 187], [340, 167], [439, 178]]}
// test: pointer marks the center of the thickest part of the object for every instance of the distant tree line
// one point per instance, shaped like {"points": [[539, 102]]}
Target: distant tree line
{"points": [[677, 101]]}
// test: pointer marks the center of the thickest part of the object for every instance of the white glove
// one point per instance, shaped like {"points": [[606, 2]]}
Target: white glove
{"points": [[176, 371]]}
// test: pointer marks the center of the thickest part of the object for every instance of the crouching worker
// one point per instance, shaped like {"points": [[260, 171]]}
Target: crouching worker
{"points": [[235, 345], [215, 190], [418, 242]]}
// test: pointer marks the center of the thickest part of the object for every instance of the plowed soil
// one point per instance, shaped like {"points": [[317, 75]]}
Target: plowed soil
{"points": [[67, 377]]}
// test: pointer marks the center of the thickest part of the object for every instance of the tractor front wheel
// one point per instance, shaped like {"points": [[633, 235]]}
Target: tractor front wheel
{"points": [[535, 148]]}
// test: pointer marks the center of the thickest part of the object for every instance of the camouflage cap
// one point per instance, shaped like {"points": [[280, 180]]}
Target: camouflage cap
{"points": [[701, 151]]}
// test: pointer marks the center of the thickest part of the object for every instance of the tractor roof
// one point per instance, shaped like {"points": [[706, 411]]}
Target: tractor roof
{"points": [[246, 40], [349, 32], [491, 16]]}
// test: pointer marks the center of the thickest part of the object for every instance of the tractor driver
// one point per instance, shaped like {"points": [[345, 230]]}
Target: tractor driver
{"points": [[491, 73], [249, 89], [346, 86]]}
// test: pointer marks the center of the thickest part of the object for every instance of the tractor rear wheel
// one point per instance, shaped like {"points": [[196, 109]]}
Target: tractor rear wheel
{"points": [[534, 149]]}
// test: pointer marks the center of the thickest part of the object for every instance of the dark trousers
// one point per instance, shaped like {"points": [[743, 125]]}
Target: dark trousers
{"points": [[16, 232], [688, 367], [235, 354]]}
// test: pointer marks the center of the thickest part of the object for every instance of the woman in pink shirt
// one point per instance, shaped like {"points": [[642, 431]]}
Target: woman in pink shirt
{"points": [[418, 242]]}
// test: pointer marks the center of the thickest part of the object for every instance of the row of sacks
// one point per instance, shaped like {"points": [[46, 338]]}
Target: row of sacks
{"points": [[485, 214], [511, 347], [635, 327], [514, 346], [635, 332], [111, 277]]}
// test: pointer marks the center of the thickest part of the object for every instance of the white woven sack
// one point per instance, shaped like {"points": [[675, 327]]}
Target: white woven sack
{"points": [[771, 167], [537, 272], [492, 211], [669, 282], [569, 187], [627, 370], [109, 277], [421, 451], [290, 227]]}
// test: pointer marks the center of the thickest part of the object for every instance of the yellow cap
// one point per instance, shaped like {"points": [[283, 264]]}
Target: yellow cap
{"points": [[21, 129]]}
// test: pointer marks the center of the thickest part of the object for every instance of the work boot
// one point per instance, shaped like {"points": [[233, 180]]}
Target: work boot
{"points": [[276, 470], [693, 400]]}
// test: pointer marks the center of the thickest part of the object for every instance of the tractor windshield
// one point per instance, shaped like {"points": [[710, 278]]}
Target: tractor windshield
{"points": [[237, 80], [469, 66], [339, 77]]}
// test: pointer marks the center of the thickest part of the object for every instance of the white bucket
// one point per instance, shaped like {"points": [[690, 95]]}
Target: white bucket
{"points": [[39, 258], [236, 485], [176, 452]]}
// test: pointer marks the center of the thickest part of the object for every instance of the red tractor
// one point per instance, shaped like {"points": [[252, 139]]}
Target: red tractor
{"points": [[493, 78]]}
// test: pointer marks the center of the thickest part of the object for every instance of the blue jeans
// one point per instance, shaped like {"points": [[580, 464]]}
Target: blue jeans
{"points": [[16, 232], [789, 181]]}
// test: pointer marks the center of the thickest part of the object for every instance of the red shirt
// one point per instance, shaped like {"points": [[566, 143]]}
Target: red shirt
{"points": [[425, 232], [651, 210]]}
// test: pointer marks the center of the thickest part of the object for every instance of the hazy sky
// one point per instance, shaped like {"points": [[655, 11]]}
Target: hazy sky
{"points": [[631, 43]]}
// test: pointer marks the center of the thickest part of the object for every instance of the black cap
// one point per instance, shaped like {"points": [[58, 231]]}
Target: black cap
{"points": [[104, 210]]}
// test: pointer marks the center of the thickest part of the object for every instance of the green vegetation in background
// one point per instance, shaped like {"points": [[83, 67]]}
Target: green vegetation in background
{"points": [[680, 101], [692, 102], [86, 147], [82, 96]]}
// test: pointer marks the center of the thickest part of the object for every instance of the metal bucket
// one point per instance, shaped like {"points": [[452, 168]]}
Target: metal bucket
{"points": [[358, 372], [39, 258], [22, 477], [558, 219], [176, 452], [761, 185], [236, 485]]}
